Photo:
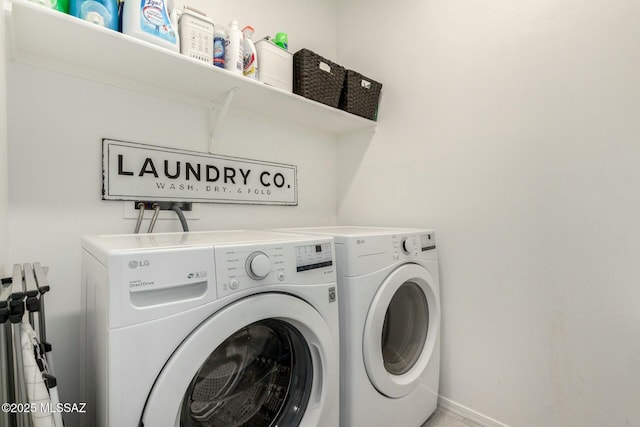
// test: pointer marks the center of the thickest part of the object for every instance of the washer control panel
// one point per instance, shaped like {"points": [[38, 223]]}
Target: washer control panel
{"points": [[309, 257], [248, 266]]}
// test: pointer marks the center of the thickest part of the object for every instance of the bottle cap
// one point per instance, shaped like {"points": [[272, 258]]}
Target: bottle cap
{"points": [[248, 31], [282, 40]]}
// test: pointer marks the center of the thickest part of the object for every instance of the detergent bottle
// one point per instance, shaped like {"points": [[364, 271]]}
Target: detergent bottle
{"points": [[149, 20], [99, 12], [250, 57], [233, 48]]}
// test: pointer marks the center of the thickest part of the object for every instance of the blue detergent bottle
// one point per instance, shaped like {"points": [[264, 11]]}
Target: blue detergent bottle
{"points": [[100, 12]]}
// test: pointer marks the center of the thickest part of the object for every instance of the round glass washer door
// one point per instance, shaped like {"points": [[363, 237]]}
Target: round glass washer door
{"points": [[260, 376], [401, 330], [248, 365]]}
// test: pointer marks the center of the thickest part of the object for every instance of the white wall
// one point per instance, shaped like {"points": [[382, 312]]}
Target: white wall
{"points": [[4, 184], [511, 127], [56, 123]]}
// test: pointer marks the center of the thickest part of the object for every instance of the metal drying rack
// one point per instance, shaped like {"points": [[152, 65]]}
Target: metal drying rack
{"points": [[22, 325]]}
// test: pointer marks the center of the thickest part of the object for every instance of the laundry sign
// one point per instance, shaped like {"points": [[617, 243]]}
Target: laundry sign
{"points": [[133, 171]]}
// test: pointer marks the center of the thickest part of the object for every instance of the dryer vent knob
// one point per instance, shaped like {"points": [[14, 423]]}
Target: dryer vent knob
{"points": [[258, 265]]}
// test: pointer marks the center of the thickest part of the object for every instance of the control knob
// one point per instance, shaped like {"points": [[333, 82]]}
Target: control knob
{"points": [[258, 265], [408, 246]]}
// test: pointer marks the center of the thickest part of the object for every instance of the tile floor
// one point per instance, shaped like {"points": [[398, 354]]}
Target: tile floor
{"points": [[445, 418]]}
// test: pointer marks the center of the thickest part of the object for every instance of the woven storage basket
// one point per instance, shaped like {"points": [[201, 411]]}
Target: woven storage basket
{"points": [[360, 95], [317, 78]]}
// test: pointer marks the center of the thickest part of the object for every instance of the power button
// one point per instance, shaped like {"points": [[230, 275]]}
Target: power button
{"points": [[233, 284]]}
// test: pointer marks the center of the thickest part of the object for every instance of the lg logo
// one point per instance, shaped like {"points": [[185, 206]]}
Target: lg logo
{"points": [[136, 264]]}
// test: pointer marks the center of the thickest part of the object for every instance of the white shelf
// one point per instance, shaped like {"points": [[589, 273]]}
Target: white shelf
{"points": [[60, 42]]}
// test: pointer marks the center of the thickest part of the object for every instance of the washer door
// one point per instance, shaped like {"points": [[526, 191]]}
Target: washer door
{"points": [[262, 361], [401, 330]]}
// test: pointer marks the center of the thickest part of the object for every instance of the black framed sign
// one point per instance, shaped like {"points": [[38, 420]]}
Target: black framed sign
{"points": [[134, 171]]}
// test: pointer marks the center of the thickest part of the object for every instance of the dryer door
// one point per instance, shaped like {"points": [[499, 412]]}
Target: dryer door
{"points": [[249, 365], [401, 330]]}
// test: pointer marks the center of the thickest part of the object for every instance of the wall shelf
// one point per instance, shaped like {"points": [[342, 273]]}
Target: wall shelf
{"points": [[59, 42]]}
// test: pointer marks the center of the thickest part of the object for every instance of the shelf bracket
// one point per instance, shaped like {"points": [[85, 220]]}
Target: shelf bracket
{"points": [[217, 113]]}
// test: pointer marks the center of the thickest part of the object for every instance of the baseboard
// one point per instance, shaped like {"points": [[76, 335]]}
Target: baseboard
{"points": [[470, 414]]}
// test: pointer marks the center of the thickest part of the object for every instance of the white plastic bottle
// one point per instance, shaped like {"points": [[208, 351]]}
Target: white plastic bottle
{"points": [[149, 20], [233, 48], [250, 57]]}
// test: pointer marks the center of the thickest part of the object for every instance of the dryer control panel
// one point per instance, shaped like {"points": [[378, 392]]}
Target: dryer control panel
{"points": [[413, 244], [244, 267], [427, 241]]}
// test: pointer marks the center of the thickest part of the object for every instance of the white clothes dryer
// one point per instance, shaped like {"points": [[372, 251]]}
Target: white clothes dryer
{"points": [[230, 328], [388, 287]]}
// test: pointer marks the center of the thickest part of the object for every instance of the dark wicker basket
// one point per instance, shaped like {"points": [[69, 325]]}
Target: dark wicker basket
{"points": [[360, 95], [317, 78]]}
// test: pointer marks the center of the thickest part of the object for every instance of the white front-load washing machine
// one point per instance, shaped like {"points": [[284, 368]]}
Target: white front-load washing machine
{"points": [[388, 287], [230, 328]]}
